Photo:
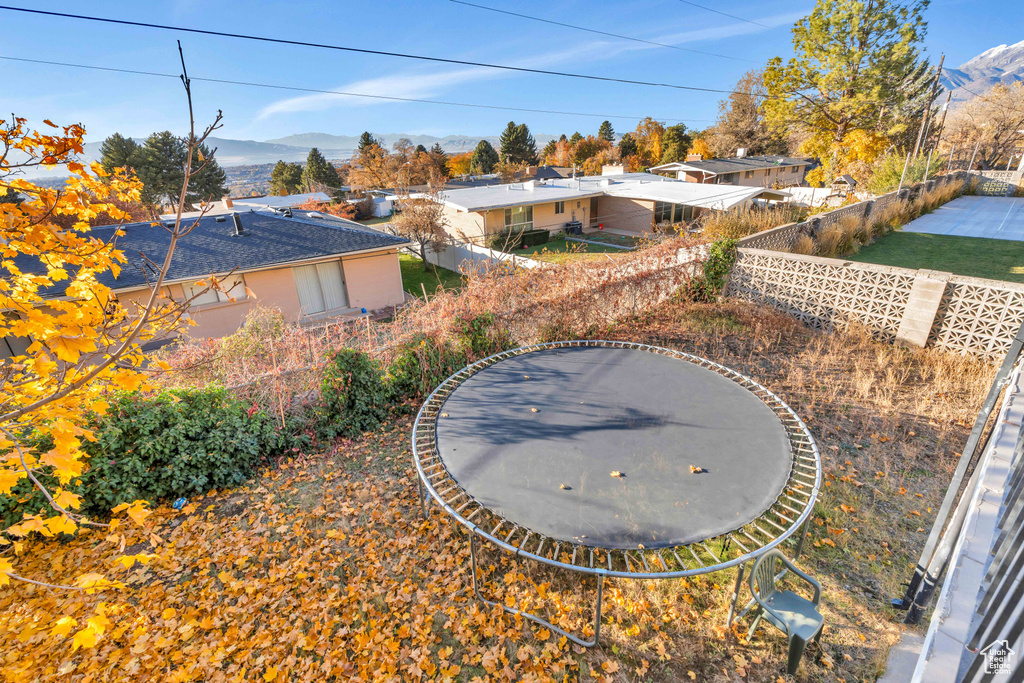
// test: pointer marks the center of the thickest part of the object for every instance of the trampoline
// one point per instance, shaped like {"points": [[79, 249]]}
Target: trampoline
{"points": [[616, 459]]}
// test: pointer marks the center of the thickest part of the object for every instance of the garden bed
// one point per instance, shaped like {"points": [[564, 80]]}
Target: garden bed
{"points": [[623, 241], [323, 568]]}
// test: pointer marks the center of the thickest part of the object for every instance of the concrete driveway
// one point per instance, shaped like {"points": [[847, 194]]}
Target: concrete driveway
{"points": [[1000, 218]]}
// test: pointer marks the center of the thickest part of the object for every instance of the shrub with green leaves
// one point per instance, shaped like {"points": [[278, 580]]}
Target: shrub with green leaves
{"points": [[353, 395], [707, 286], [178, 443]]}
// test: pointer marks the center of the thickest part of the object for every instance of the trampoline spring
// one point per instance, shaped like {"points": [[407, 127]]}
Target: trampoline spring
{"points": [[783, 517], [742, 547], [558, 546], [473, 514], [643, 559], [755, 541], [573, 560], [501, 523], [765, 519], [708, 551], [541, 545], [629, 565], [678, 559], [464, 506], [515, 528], [783, 505], [525, 539], [662, 560], [696, 559], [591, 558]]}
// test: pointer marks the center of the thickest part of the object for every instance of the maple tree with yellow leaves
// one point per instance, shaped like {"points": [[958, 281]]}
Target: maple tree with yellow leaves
{"points": [[75, 342]]}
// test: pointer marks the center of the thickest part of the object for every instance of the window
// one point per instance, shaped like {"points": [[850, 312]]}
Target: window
{"points": [[233, 287], [559, 207], [321, 287], [794, 169], [730, 178], [748, 174], [664, 212], [519, 218]]}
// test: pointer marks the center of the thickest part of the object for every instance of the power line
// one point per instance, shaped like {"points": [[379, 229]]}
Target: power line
{"points": [[460, 62], [731, 16], [336, 92], [601, 33]]}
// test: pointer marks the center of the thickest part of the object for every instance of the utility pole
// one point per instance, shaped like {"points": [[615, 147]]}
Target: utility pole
{"points": [[942, 121], [928, 109]]}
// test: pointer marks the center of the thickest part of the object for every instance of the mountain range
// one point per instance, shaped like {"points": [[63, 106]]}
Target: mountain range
{"points": [[1001, 64], [296, 148]]}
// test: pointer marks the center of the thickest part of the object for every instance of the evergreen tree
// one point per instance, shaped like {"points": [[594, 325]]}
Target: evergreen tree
{"points": [[286, 178], [675, 143], [563, 138], [162, 171], [627, 146], [439, 160], [484, 158], [741, 121], [549, 149], [319, 175], [118, 151], [420, 149], [517, 145], [367, 139], [606, 132], [576, 137]]}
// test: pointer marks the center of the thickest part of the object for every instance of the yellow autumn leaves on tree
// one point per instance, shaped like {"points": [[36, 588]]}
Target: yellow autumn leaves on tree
{"points": [[73, 343]]}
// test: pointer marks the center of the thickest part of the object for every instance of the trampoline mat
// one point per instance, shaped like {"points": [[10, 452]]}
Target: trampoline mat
{"points": [[602, 410]]}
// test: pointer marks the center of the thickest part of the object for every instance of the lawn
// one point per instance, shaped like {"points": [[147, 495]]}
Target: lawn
{"points": [[615, 240], [561, 251], [973, 256], [376, 220], [323, 569], [415, 277]]}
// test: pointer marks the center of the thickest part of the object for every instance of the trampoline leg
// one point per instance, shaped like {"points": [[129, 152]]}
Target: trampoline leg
{"points": [[803, 537], [422, 496], [532, 617], [736, 594]]}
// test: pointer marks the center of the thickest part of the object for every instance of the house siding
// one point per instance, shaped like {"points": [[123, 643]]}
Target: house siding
{"points": [[622, 213], [372, 281]]}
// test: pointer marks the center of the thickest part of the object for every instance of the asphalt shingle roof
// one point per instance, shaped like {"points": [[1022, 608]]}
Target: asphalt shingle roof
{"points": [[733, 165], [212, 247]]}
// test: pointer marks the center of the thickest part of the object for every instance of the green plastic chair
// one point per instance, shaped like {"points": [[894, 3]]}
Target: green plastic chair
{"points": [[792, 614]]}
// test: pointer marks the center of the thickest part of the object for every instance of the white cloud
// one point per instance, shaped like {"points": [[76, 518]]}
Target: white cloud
{"points": [[423, 85]]}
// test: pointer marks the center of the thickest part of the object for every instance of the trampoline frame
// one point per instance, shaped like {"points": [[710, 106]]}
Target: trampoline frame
{"points": [[790, 511]]}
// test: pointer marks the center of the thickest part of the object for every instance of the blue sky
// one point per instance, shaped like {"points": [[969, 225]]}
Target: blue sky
{"points": [[138, 105]]}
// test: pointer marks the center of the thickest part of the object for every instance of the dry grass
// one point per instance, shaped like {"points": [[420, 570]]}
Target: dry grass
{"points": [[853, 231], [740, 223], [277, 365]]}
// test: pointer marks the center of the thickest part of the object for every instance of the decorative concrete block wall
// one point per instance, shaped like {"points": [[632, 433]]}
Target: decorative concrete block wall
{"points": [[912, 307]]}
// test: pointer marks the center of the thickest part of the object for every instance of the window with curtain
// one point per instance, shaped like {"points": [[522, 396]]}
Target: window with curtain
{"points": [[233, 287], [519, 218], [321, 287]]}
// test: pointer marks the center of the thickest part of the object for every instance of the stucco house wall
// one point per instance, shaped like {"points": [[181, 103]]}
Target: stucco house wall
{"points": [[372, 281], [622, 213]]}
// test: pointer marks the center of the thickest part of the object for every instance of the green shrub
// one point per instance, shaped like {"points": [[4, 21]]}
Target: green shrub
{"points": [[353, 395], [708, 285], [506, 240], [426, 361], [179, 443]]}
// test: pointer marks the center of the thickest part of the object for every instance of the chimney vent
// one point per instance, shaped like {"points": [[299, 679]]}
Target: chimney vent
{"points": [[741, 152], [239, 230], [228, 204]]}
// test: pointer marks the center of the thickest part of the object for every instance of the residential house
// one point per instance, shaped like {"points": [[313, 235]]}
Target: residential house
{"points": [[308, 265], [629, 202], [234, 204], [753, 171]]}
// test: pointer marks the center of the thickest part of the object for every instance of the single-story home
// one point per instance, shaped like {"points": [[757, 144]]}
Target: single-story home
{"points": [[309, 265], [233, 204], [630, 202], [753, 171]]}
